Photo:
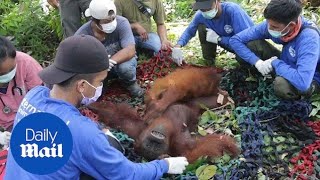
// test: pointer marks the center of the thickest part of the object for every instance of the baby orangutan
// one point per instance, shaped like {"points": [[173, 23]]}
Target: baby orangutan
{"points": [[182, 84], [168, 134]]}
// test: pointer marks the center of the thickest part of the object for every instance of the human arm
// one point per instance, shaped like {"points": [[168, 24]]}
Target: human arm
{"points": [[238, 42], [190, 31], [127, 43], [54, 3], [162, 32], [102, 161]]}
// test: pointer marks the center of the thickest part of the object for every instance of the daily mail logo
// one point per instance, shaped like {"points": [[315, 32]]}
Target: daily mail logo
{"points": [[43, 140]]}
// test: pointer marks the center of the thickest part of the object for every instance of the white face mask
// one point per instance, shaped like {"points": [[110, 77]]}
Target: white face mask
{"points": [[9, 76], [109, 27], [210, 14], [97, 94]]}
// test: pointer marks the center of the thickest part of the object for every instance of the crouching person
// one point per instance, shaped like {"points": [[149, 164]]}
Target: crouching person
{"points": [[116, 35], [297, 68]]}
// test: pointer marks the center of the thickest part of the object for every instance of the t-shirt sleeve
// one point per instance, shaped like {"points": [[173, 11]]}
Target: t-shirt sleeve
{"points": [[100, 160], [32, 78], [125, 33], [159, 13]]}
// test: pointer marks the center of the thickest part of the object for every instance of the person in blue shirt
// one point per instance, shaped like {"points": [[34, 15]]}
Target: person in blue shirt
{"points": [[77, 73], [297, 68], [216, 23]]}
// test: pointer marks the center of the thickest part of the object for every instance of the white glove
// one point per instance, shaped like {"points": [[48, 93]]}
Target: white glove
{"points": [[177, 55], [268, 63], [212, 36], [262, 67], [176, 164], [5, 138], [112, 63]]}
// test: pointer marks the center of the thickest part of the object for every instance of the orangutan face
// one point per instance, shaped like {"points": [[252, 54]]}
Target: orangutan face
{"points": [[161, 135], [154, 141]]}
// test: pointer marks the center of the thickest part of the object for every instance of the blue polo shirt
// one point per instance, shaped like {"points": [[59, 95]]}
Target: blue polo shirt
{"points": [[232, 21], [91, 152]]}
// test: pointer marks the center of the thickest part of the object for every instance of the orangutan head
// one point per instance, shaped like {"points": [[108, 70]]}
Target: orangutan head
{"points": [[159, 137]]}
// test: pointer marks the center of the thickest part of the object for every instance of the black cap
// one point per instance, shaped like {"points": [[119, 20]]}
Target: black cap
{"points": [[78, 54], [203, 4]]}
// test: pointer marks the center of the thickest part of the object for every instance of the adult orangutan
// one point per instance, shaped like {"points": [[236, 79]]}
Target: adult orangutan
{"points": [[168, 134], [182, 84]]}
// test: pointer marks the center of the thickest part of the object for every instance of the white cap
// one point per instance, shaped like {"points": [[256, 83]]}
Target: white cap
{"points": [[99, 9]]}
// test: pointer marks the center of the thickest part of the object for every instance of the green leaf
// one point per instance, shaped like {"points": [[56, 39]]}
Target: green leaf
{"points": [[269, 149], [204, 118], [267, 140], [226, 158], [201, 131], [206, 172], [251, 79]]}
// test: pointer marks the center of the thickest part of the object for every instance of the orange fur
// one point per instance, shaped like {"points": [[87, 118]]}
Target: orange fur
{"points": [[182, 84]]}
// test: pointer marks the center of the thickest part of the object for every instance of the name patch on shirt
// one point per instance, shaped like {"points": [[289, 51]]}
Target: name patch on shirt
{"points": [[228, 29], [41, 143], [292, 52]]}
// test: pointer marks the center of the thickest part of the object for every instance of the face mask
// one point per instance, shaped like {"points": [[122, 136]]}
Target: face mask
{"points": [[210, 14], [278, 34], [109, 27], [97, 94], [8, 77]]}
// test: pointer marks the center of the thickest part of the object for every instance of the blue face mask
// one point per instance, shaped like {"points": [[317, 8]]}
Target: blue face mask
{"points": [[278, 34], [210, 14]]}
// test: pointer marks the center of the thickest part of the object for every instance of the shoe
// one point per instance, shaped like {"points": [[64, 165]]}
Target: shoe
{"points": [[135, 90]]}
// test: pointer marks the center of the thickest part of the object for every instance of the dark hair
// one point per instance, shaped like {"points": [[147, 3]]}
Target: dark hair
{"points": [[6, 49], [67, 83], [97, 21], [283, 11]]}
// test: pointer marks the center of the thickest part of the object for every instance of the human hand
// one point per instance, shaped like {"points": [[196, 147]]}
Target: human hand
{"points": [[112, 63], [262, 67], [54, 3], [268, 63], [176, 164], [165, 45], [177, 55], [141, 31], [5, 138], [212, 36]]}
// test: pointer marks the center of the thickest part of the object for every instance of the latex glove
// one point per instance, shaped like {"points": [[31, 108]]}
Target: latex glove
{"points": [[176, 164], [112, 63], [268, 63], [177, 55], [262, 67], [5, 138], [212, 36]]}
